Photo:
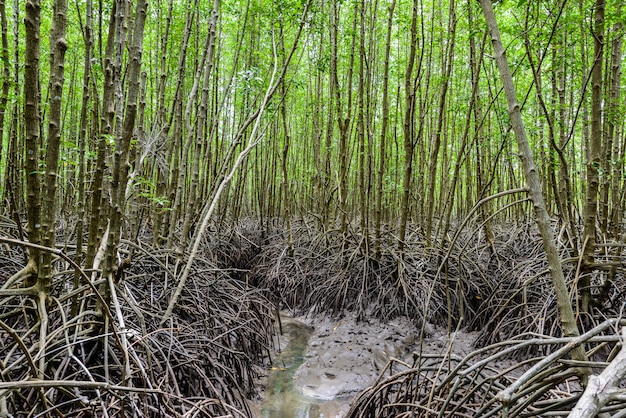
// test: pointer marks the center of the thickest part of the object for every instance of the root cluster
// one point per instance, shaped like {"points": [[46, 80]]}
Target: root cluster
{"points": [[486, 383], [203, 362], [120, 360]]}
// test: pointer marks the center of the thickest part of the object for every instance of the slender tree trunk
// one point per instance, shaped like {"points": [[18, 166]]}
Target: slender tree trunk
{"points": [[6, 76], [14, 180], [593, 158], [568, 320], [82, 134], [196, 133], [361, 135], [408, 128], [461, 157], [448, 60], [343, 121], [284, 152], [121, 157], [176, 156], [98, 211], [32, 123], [614, 114], [561, 192], [55, 93], [82, 144], [482, 184], [383, 131]]}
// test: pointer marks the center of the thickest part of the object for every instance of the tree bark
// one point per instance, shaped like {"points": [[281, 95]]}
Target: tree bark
{"points": [[568, 320], [447, 63], [58, 45], [122, 148], [383, 132], [32, 123], [408, 128], [98, 211], [593, 158]]}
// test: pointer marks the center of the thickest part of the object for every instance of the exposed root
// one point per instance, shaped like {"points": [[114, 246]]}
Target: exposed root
{"points": [[486, 384], [203, 362]]}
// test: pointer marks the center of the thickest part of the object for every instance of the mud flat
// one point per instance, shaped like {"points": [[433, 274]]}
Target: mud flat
{"points": [[324, 362], [345, 356]]}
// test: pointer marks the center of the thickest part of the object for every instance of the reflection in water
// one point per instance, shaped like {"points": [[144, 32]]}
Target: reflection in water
{"points": [[282, 398]]}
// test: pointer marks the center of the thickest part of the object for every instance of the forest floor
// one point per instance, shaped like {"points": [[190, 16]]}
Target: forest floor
{"points": [[445, 327], [343, 356]]}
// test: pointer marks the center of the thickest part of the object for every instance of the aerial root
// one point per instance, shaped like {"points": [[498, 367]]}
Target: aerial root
{"points": [[487, 383]]}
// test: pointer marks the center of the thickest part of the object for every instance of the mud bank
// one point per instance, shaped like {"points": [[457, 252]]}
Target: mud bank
{"points": [[324, 362]]}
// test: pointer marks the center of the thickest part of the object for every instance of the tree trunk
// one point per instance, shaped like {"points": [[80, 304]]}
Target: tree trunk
{"points": [[447, 62], [58, 45], [31, 124], [383, 132], [6, 75], [568, 321], [197, 133], [614, 114], [82, 136], [593, 159], [98, 211], [408, 129], [122, 147]]}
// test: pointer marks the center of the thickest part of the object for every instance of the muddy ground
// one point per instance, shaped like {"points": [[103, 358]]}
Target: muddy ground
{"points": [[341, 357]]}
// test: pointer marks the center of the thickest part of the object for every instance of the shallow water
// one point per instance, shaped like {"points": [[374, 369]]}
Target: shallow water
{"points": [[335, 360], [282, 398]]}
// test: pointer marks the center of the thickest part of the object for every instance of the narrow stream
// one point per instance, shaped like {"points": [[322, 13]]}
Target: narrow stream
{"points": [[331, 363], [282, 397]]}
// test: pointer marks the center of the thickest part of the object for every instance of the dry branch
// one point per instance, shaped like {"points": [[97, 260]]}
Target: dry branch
{"points": [[602, 388]]}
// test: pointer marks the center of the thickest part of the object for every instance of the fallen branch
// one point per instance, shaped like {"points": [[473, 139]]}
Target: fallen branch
{"points": [[602, 388]]}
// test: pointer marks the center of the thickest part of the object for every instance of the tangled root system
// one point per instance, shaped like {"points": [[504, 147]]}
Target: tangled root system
{"points": [[486, 384], [202, 362]]}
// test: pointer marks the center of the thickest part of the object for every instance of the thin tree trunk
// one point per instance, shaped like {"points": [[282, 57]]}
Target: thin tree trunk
{"points": [[448, 60], [408, 128], [614, 114], [383, 132], [14, 180], [461, 157], [284, 153], [361, 124], [121, 157], [55, 93], [196, 133], [98, 211], [82, 140], [593, 158], [176, 154], [6, 75], [31, 123], [343, 121], [568, 320], [82, 134], [476, 61]]}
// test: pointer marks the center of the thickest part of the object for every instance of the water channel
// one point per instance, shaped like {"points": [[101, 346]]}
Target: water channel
{"points": [[282, 399], [318, 371]]}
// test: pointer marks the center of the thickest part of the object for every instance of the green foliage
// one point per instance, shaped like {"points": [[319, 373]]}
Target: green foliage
{"points": [[248, 33]]}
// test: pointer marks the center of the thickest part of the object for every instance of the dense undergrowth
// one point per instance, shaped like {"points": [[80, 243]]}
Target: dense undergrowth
{"points": [[204, 360]]}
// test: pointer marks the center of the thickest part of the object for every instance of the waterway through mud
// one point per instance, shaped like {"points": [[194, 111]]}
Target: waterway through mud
{"points": [[323, 363], [281, 397]]}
